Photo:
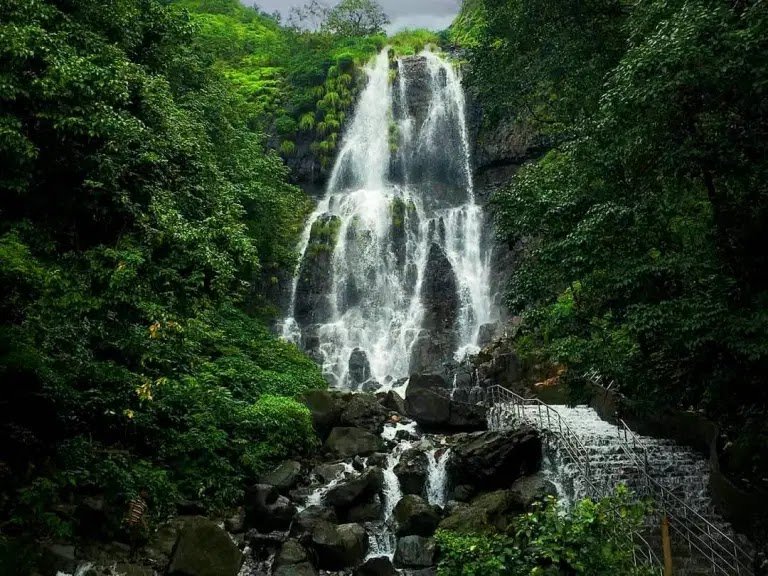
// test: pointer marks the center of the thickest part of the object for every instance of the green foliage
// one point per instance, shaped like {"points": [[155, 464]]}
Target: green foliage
{"points": [[643, 233], [140, 214], [595, 538]]}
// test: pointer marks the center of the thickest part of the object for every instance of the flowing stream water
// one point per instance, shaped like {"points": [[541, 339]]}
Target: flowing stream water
{"points": [[399, 203]]}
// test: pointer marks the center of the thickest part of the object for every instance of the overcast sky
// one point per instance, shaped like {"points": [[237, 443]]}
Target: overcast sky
{"points": [[433, 14]]}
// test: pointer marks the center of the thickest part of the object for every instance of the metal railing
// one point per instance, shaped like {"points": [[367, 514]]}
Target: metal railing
{"points": [[499, 400], [720, 551]]}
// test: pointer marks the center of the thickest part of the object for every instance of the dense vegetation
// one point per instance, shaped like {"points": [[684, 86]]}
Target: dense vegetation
{"points": [[593, 539], [643, 229], [141, 217]]}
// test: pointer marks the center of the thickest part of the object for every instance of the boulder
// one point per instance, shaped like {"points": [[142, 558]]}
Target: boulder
{"points": [[359, 368], [356, 490], [284, 477], [415, 552], [378, 566], [428, 401], [328, 472], [340, 546], [266, 510], [58, 558], [364, 411], [491, 460], [326, 408], [307, 519], [123, 569], [412, 471], [488, 513], [235, 523], [204, 549], [530, 489], [291, 553], [416, 517], [370, 386], [346, 442], [392, 401], [302, 569], [366, 511]]}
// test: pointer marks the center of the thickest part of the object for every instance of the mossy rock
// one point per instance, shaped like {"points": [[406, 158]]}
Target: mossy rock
{"points": [[487, 513]]}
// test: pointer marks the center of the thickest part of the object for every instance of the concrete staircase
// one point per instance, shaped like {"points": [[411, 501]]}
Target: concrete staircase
{"points": [[588, 456]]}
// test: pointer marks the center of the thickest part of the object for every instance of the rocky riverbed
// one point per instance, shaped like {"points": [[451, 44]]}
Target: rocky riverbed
{"points": [[389, 473]]}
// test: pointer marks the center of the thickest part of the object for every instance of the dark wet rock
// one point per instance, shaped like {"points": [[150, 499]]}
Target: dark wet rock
{"points": [[266, 510], [307, 519], [488, 513], [379, 566], [379, 459], [405, 434], [463, 492], [491, 460], [414, 516], [487, 333], [415, 552], [366, 511], [370, 386], [339, 546], [439, 293], [291, 553], [204, 549], [235, 523], [284, 477], [346, 442], [364, 411], [412, 471], [530, 489], [58, 558], [265, 540], [359, 367], [328, 472], [392, 401], [356, 490], [160, 546], [301, 569], [315, 280], [326, 408], [428, 401], [132, 570]]}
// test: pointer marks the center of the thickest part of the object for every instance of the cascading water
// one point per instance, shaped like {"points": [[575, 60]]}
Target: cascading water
{"points": [[394, 277]]}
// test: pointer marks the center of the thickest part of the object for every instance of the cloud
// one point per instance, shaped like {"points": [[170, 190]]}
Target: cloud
{"points": [[432, 14]]}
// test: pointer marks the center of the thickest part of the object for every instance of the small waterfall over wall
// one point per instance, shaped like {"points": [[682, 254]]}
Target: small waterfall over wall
{"points": [[394, 277]]}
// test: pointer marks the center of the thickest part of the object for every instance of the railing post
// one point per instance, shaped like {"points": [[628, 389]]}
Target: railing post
{"points": [[666, 545]]}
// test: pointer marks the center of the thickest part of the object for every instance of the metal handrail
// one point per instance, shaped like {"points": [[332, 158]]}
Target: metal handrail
{"points": [[699, 533], [496, 394]]}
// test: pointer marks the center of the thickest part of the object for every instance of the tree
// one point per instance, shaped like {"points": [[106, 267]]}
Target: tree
{"points": [[356, 18], [310, 16]]}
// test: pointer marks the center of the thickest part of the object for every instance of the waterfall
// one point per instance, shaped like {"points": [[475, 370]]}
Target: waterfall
{"points": [[437, 476], [394, 276]]}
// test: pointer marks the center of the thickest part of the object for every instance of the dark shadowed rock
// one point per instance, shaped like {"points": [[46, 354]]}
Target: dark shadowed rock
{"points": [[379, 566], [488, 513], [204, 549], [291, 553], [364, 411], [235, 523], [530, 489], [366, 511], [266, 510], [490, 460], [301, 569], [357, 490], [392, 401], [326, 408], [307, 519], [315, 279], [439, 293], [415, 552], [415, 517], [284, 477], [345, 442], [359, 368], [412, 471], [340, 546], [428, 401]]}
